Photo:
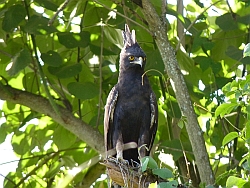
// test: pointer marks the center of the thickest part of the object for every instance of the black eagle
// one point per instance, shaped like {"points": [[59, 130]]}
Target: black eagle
{"points": [[131, 112]]}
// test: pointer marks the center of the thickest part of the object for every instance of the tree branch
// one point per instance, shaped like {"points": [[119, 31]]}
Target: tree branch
{"points": [[93, 173], [168, 56], [40, 104], [45, 160]]}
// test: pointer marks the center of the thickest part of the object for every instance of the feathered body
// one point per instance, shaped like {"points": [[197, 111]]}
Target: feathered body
{"points": [[131, 111]]}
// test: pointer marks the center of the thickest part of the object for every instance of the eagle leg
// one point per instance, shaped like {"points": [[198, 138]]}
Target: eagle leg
{"points": [[119, 152]]}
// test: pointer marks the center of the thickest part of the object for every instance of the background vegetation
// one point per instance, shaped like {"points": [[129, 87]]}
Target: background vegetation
{"points": [[59, 59]]}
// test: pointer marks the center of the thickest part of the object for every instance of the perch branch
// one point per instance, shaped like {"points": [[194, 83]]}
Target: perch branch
{"points": [[128, 176]]}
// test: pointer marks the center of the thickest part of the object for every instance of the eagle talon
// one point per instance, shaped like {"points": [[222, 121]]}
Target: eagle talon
{"points": [[122, 161]]}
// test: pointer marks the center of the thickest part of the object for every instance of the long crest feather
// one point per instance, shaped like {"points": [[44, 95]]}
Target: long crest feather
{"points": [[128, 37]]}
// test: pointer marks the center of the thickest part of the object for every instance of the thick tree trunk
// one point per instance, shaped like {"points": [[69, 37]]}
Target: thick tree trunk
{"points": [[158, 29]]}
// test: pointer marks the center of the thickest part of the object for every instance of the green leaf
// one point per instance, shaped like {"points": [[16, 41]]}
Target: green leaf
{"points": [[222, 22], [225, 108], [148, 162], [164, 173], [66, 71], [3, 132], [12, 17], [63, 138], [47, 4], [114, 36], [199, 3], [154, 62], [52, 58], [236, 54], [181, 123], [204, 62], [73, 40], [14, 177], [20, 143], [246, 51], [218, 51], [172, 108], [246, 185], [29, 117], [39, 26], [96, 50], [229, 137], [245, 165], [172, 147], [144, 164], [84, 91], [28, 161], [29, 82], [170, 184], [176, 14], [217, 136], [233, 181], [20, 61], [248, 128], [54, 168], [68, 161]]}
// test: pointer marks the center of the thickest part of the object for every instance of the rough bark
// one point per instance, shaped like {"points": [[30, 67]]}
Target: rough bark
{"points": [[40, 104], [158, 29]]}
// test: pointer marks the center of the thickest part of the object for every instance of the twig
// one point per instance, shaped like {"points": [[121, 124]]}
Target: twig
{"points": [[78, 79], [100, 76], [118, 13], [134, 177], [7, 178], [43, 155], [73, 172], [125, 8], [91, 176], [230, 9], [62, 7], [179, 42], [7, 54], [163, 11], [53, 104], [34, 170], [180, 27], [236, 128], [179, 150]]}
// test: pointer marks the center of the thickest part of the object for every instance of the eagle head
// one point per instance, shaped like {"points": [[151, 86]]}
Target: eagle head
{"points": [[131, 55]]}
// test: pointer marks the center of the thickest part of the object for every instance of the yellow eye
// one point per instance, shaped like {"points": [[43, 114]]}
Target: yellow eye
{"points": [[144, 58], [131, 58]]}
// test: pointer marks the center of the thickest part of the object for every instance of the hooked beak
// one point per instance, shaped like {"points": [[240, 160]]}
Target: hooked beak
{"points": [[138, 60]]}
